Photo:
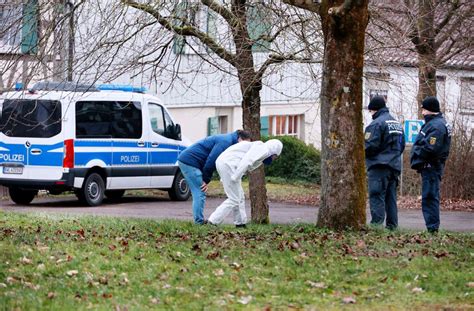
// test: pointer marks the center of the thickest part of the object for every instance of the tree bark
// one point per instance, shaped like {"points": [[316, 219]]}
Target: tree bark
{"points": [[426, 78], [250, 86], [343, 189], [425, 46]]}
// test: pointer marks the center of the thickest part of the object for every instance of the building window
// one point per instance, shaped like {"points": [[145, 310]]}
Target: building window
{"points": [[217, 125], [377, 84], [441, 91], [10, 25], [194, 14], [259, 27], [284, 125], [467, 96]]}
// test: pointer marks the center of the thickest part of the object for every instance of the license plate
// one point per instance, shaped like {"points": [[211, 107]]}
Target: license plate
{"points": [[12, 170]]}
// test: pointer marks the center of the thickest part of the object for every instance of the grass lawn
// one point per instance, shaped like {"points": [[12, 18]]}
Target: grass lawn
{"points": [[277, 191], [70, 263]]}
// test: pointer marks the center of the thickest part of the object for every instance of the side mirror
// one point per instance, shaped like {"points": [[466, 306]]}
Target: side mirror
{"points": [[177, 132]]}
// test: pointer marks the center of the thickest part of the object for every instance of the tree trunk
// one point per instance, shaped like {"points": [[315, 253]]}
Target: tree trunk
{"points": [[250, 88], [343, 189], [257, 188], [425, 47], [426, 78]]}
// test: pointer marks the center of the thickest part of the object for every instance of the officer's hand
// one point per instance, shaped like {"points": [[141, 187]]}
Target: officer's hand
{"points": [[204, 187]]}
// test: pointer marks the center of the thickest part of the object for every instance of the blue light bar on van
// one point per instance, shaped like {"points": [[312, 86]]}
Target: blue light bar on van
{"points": [[121, 87], [18, 86]]}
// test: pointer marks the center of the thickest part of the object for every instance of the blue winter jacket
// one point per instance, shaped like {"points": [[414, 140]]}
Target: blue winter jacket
{"points": [[432, 143], [203, 154], [384, 141]]}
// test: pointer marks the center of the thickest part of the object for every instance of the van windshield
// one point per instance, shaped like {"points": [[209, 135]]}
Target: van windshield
{"points": [[30, 118]]}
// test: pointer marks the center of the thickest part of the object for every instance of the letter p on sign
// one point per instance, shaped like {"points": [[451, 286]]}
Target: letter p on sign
{"points": [[412, 128]]}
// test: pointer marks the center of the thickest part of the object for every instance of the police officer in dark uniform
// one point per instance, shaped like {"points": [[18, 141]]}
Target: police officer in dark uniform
{"points": [[384, 144], [428, 155]]}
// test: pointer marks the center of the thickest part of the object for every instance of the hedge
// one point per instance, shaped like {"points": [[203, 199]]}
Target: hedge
{"points": [[297, 161]]}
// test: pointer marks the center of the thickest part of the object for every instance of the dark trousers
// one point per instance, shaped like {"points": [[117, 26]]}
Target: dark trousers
{"points": [[430, 178], [383, 196]]}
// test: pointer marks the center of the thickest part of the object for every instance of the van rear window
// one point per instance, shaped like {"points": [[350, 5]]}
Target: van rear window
{"points": [[30, 118]]}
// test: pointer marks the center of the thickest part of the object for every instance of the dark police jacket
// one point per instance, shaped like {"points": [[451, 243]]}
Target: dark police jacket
{"points": [[432, 143], [384, 141]]}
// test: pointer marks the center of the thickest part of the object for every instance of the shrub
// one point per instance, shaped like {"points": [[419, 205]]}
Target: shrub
{"points": [[297, 161], [458, 179]]}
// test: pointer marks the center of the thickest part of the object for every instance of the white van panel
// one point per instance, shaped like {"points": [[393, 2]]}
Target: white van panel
{"points": [[129, 182], [162, 181]]}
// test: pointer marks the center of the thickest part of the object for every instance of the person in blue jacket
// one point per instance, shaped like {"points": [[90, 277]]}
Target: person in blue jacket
{"points": [[428, 156], [198, 163], [384, 145]]}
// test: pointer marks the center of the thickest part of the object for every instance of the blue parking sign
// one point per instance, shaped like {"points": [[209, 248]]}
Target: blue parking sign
{"points": [[412, 128]]}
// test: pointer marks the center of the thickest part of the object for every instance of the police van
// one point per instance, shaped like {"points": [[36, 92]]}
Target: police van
{"points": [[96, 141]]}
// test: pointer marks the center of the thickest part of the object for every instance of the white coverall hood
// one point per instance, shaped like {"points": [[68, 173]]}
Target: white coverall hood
{"points": [[274, 147]]}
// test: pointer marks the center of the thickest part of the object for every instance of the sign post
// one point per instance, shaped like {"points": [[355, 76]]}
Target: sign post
{"points": [[411, 130]]}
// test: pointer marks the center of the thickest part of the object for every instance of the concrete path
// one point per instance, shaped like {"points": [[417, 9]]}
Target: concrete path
{"points": [[156, 208]]}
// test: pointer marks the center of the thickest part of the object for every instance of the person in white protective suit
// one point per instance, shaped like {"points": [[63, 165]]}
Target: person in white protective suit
{"points": [[232, 165]]}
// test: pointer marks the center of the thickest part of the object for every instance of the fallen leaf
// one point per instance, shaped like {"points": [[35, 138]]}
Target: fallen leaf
{"points": [[235, 265], [245, 300], [219, 272], [11, 280], [213, 255], [31, 285], [3, 285], [348, 300], [41, 267], [51, 295], [417, 290], [316, 284], [470, 284], [155, 301], [72, 273], [26, 261]]}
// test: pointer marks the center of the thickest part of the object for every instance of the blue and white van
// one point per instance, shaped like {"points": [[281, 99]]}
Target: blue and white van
{"points": [[95, 141]]}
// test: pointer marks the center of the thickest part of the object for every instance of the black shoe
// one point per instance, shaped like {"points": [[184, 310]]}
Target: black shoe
{"points": [[433, 231], [241, 226], [205, 222]]}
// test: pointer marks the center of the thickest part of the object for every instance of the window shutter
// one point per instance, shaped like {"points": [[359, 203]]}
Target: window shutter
{"points": [[29, 32], [179, 41], [258, 26], [264, 126], [212, 126]]}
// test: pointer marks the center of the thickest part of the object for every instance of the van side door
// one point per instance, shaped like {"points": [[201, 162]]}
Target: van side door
{"points": [[163, 153], [130, 168]]}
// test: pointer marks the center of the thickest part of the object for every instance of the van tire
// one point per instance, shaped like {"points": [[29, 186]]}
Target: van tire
{"points": [[114, 195], [180, 189], [92, 192], [22, 197]]}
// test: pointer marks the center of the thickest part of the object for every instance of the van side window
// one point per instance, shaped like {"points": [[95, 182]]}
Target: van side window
{"points": [[157, 118], [108, 119]]}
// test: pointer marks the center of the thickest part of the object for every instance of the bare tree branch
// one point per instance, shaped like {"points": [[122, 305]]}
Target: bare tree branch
{"points": [[185, 30], [310, 5]]}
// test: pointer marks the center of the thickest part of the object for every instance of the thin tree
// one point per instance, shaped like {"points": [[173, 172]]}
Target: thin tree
{"points": [[437, 31], [239, 55], [343, 189]]}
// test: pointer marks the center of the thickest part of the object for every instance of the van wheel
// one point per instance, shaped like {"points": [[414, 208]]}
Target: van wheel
{"points": [[22, 197], [92, 192], [180, 189], [114, 194]]}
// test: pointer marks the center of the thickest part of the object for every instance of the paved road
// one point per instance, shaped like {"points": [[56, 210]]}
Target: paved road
{"points": [[158, 208]]}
